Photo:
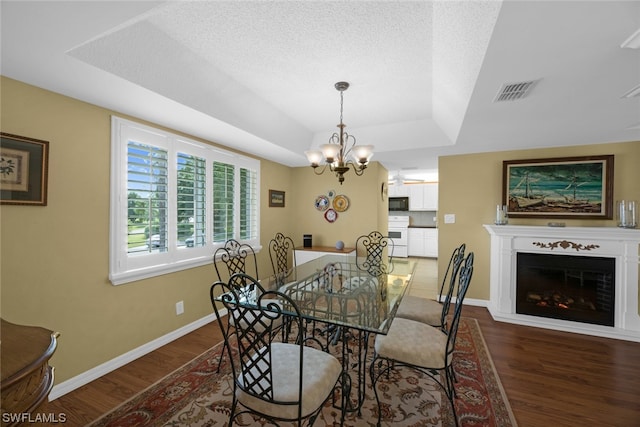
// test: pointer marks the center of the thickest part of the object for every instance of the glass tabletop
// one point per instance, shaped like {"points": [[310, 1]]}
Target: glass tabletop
{"points": [[338, 290]]}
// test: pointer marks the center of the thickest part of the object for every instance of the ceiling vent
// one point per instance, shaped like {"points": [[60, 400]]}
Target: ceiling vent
{"points": [[514, 91]]}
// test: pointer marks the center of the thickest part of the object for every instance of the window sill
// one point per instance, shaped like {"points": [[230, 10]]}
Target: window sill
{"points": [[159, 270]]}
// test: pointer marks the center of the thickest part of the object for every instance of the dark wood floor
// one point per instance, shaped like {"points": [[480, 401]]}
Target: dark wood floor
{"points": [[551, 378]]}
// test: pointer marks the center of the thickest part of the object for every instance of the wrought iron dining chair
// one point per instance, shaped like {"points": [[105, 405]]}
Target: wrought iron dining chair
{"points": [[418, 346], [234, 257], [374, 246], [283, 258], [230, 259], [273, 380], [434, 312]]}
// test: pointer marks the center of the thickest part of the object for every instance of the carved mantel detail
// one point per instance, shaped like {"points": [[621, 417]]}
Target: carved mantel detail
{"points": [[564, 244]]}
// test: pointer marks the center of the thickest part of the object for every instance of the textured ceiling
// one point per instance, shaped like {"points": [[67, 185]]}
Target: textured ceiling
{"points": [[289, 55], [316, 43], [259, 75]]}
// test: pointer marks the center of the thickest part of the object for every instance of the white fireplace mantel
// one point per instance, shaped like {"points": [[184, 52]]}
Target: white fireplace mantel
{"points": [[609, 242]]}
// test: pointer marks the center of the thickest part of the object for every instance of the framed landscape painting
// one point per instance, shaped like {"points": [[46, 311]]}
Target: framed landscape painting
{"points": [[567, 187], [23, 170], [276, 199]]}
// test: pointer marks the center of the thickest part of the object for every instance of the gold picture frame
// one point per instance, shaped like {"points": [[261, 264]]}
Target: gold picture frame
{"points": [[565, 187], [276, 199], [24, 166]]}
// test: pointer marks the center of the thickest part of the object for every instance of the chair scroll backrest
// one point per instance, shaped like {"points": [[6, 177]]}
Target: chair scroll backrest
{"points": [[281, 250], [450, 277], [235, 256], [251, 367], [464, 279], [374, 245]]}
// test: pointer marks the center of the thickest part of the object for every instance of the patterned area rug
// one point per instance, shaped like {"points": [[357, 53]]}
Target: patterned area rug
{"points": [[195, 395]]}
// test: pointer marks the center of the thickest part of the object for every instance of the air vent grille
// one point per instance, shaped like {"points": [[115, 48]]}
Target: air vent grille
{"points": [[514, 91]]}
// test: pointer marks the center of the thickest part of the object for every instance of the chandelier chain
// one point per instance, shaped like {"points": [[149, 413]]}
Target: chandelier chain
{"points": [[341, 101]]}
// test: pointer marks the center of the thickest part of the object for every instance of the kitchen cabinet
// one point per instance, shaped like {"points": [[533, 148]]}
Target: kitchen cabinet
{"points": [[423, 242], [423, 197], [415, 245], [431, 243], [398, 191]]}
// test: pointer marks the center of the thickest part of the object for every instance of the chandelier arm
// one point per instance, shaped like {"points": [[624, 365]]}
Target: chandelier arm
{"points": [[335, 139], [320, 170], [357, 168], [346, 147]]}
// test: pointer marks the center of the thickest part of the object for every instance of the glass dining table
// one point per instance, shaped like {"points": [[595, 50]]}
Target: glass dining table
{"points": [[345, 300]]}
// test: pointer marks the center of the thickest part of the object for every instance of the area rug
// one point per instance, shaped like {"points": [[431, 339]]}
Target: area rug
{"points": [[195, 395]]}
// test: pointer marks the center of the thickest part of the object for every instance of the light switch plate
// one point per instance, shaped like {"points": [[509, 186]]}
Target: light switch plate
{"points": [[449, 218]]}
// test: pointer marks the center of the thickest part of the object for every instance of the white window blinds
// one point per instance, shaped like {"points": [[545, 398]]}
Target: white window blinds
{"points": [[174, 200], [147, 176]]}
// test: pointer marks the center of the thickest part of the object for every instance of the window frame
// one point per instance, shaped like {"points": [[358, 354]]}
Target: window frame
{"points": [[124, 267]]}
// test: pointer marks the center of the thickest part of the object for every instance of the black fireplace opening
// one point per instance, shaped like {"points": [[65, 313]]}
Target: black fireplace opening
{"points": [[575, 288]]}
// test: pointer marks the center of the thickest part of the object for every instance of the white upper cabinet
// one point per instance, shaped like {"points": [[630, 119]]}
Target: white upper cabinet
{"points": [[423, 197], [431, 196], [398, 191]]}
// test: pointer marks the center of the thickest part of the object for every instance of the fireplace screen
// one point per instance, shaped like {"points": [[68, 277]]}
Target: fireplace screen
{"points": [[575, 288]]}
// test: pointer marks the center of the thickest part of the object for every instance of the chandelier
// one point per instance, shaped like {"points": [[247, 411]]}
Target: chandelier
{"points": [[336, 152]]}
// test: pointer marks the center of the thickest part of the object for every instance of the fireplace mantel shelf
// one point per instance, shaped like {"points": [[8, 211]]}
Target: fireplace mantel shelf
{"points": [[609, 233], [613, 242]]}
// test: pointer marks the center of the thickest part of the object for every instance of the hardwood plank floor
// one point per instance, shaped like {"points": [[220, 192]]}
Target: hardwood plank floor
{"points": [[562, 379], [89, 402], [551, 378]]}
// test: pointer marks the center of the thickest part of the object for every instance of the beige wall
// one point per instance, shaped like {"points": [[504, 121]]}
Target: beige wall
{"points": [[471, 187], [55, 259], [366, 212]]}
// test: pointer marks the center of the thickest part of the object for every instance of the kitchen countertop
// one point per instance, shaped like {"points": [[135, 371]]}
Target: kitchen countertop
{"points": [[423, 226]]}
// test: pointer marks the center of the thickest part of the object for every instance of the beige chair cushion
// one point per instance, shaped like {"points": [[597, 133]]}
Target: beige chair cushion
{"points": [[420, 309], [320, 374], [414, 343]]}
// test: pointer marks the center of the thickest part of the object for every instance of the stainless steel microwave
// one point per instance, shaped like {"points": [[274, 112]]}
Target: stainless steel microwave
{"points": [[398, 203]]}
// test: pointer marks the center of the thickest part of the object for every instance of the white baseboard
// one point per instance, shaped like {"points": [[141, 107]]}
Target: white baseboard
{"points": [[476, 302], [470, 301], [113, 364]]}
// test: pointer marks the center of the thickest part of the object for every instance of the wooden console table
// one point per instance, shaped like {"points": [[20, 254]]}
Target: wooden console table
{"points": [[26, 378]]}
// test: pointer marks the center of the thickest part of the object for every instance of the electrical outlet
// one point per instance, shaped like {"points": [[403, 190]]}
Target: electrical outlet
{"points": [[450, 218], [179, 307]]}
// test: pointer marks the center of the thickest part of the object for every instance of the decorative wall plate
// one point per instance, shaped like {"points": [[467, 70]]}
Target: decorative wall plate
{"points": [[332, 194], [331, 215], [322, 203], [341, 203]]}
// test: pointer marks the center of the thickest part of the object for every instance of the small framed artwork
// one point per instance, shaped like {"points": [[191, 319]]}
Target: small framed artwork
{"points": [[567, 187], [276, 199], [23, 170]]}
